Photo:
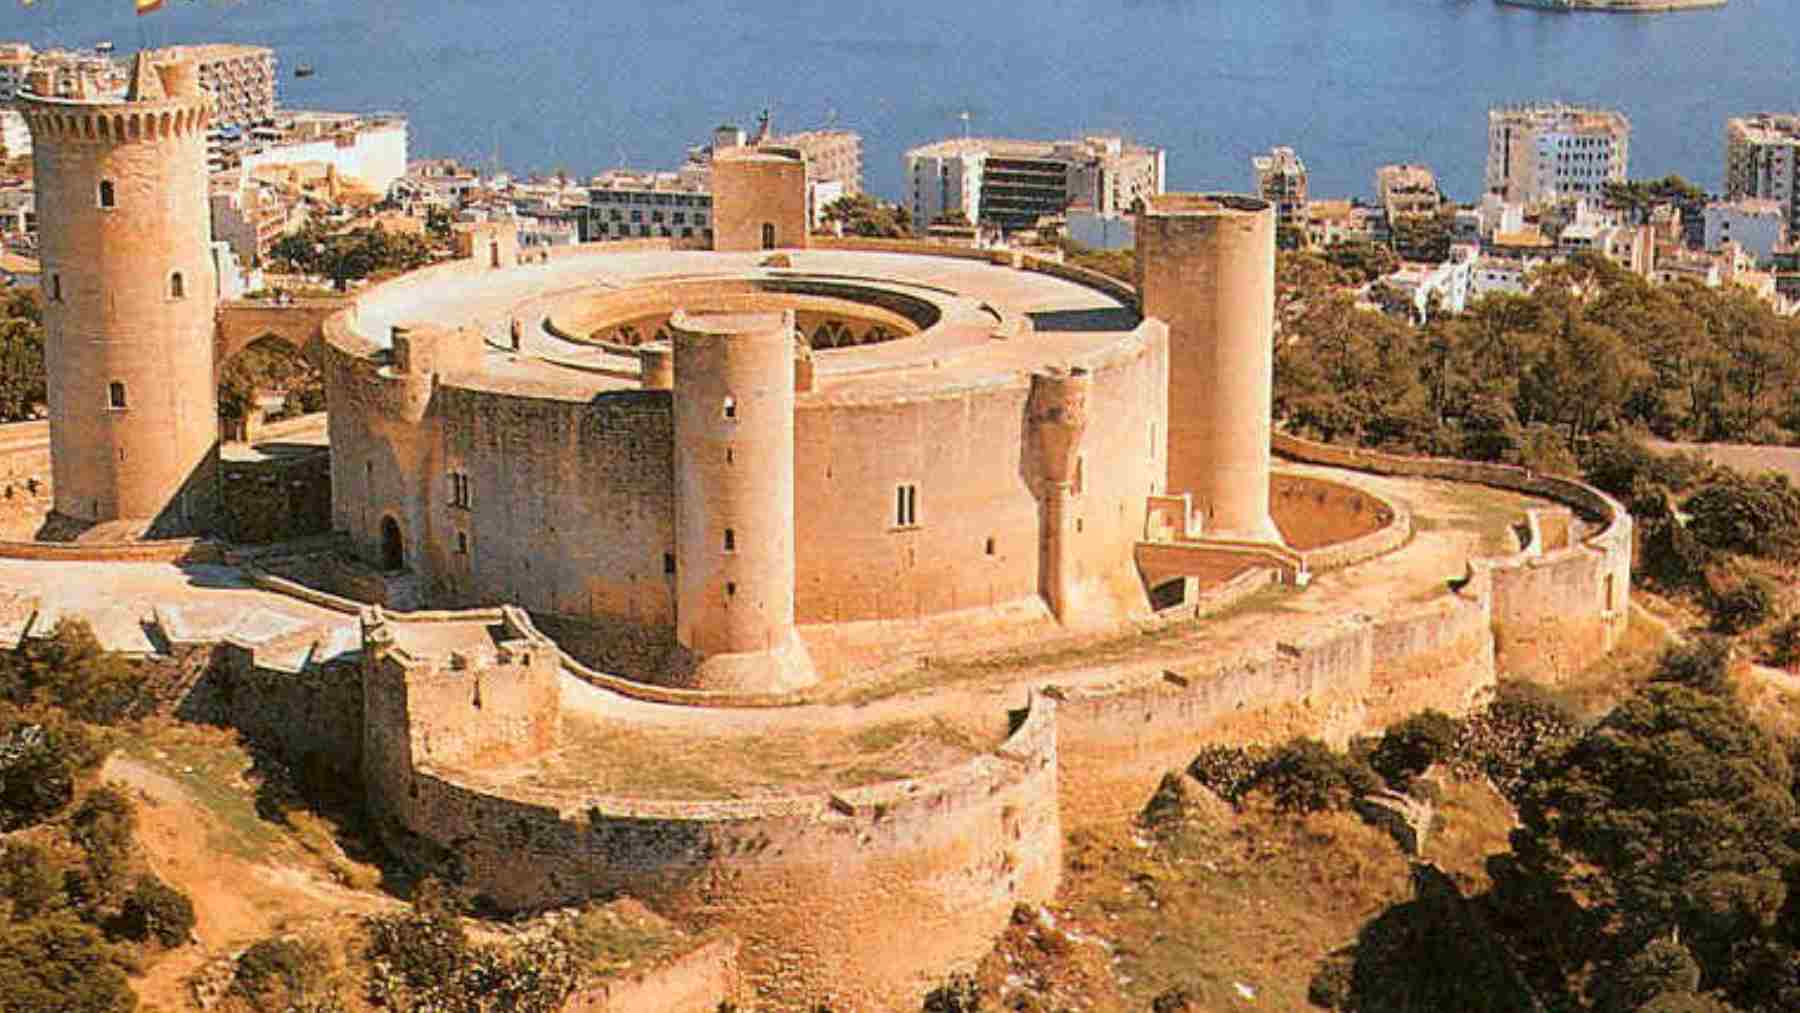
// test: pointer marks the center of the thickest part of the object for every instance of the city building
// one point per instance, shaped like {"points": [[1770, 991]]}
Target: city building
{"points": [[1329, 222], [242, 80], [441, 183], [1762, 159], [641, 205], [1538, 152], [1013, 183], [15, 62], [1436, 288], [1403, 190], [1280, 179], [369, 151], [15, 136], [1098, 231], [1757, 225], [251, 215]]}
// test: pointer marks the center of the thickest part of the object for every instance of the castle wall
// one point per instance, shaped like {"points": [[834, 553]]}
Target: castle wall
{"points": [[122, 210], [862, 898], [969, 455], [702, 980], [1553, 613]]}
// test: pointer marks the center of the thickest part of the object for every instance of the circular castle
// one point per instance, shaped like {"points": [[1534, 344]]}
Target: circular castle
{"points": [[645, 546]]}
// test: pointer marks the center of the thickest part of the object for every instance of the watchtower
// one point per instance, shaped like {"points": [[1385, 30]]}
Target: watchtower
{"points": [[759, 199], [130, 296], [1206, 267], [734, 501]]}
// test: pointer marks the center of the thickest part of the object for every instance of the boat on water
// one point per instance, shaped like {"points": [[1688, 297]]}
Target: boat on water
{"points": [[304, 70], [103, 47]]}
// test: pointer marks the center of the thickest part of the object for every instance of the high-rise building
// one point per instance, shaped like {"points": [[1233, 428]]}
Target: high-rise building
{"points": [[1762, 159], [1541, 152], [1012, 183], [1280, 179], [241, 80], [1406, 190]]}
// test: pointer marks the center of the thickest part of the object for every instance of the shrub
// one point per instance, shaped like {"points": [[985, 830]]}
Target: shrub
{"points": [[1414, 744], [1673, 557], [1784, 643], [1756, 516], [30, 883], [1521, 726], [1744, 605], [960, 994], [1700, 665], [70, 670], [1304, 775], [155, 910], [275, 974], [35, 780], [1226, 770], [103, 826], [1334, 983], [1662, 966], [57, 963]]}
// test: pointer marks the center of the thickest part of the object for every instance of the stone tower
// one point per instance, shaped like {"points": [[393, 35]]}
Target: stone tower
{"points": [[759, 199], [734, 501], [1206, 267], [124, 230], [1058, 414]]}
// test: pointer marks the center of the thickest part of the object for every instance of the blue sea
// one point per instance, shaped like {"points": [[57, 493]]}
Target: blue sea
{"points": [[585, 85]]}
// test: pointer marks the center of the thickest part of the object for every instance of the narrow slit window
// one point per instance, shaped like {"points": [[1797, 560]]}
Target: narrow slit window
{"points": [[668, 564], [906, 505], [729, 407], [177, 288], [56, 288], [115, 395], [107, 197], [730, 540], [462, 543], [990, 546]]}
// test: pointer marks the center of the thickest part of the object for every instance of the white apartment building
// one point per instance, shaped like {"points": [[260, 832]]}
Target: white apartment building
{"points": [[1279, 177], [1757, 225], [1540, 152], [1013, 183], [370, 150], [1762, 159]]}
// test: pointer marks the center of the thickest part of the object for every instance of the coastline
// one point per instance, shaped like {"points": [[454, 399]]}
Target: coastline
{"points": [[1615, 6]]}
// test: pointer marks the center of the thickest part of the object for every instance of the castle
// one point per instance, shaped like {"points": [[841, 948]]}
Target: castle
{"points": [[628, 486]]}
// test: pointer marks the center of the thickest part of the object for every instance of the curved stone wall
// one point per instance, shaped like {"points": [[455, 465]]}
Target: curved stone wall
{"points": [[860, 898]]}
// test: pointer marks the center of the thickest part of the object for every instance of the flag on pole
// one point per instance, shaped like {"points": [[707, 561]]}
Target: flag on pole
{"points": [[146, 6]]}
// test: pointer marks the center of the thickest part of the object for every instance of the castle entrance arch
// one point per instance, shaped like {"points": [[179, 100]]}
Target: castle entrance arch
{"points": [[393, 551]]}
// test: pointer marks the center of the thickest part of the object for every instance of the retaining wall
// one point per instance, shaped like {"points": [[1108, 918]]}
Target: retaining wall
{"points": [[859, 898]]}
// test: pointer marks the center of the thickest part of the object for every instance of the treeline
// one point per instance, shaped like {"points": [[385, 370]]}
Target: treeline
{"points": [[21, 354], [1591, 348], [349, 256]]}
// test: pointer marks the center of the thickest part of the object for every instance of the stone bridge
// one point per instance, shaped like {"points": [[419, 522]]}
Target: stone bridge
{"points": [[243, 322]]}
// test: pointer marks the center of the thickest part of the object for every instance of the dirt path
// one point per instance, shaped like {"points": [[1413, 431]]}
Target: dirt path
{"points": [[236, 901]]}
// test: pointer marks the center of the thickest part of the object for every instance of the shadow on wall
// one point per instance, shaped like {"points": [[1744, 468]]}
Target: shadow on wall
{"points": [[1104, 321]]}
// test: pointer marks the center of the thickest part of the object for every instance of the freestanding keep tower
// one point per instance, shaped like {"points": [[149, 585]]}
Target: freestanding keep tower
{"points": [[734, 501], [1206, 267], [129, 298]]}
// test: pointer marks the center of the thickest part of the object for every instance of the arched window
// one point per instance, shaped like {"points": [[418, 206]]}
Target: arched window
{"points": [[115, 395], [107, 198], [177, 288], [729, 407], [768, 236], [56, 288], [393, 552]]}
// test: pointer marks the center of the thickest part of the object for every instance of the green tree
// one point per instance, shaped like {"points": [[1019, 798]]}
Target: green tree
{"points": [[863, 215], [1673, 816], [58, 965]]}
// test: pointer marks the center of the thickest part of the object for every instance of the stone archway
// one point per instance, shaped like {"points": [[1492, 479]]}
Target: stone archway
{"points": [[393, 547]]}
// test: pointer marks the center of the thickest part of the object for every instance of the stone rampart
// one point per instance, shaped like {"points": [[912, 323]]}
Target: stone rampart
{"points": [[702, 980], [1554, 612], [859, 898]]}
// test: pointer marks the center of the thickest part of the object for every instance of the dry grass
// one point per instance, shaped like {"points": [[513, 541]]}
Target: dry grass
{"points": [[633, 761], [1257, 899]]}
